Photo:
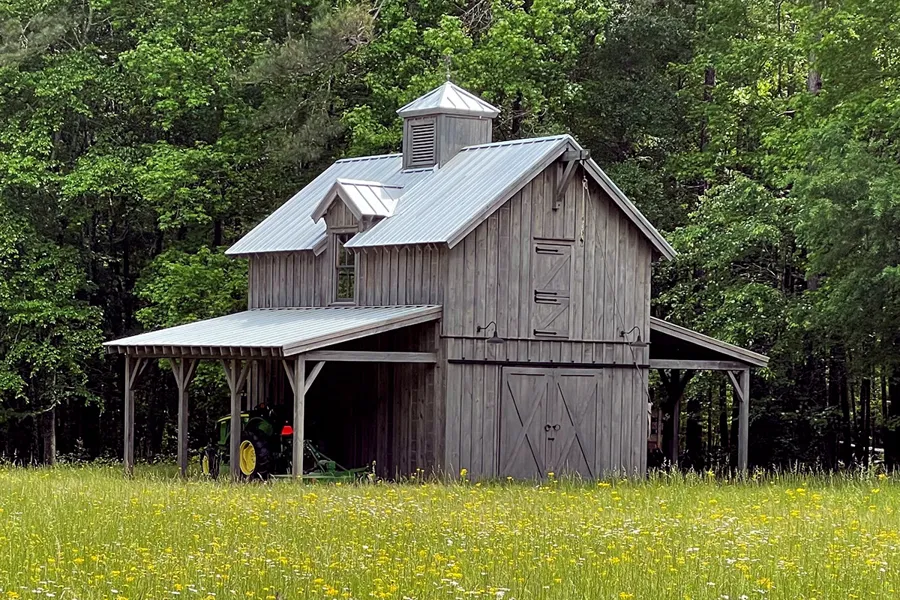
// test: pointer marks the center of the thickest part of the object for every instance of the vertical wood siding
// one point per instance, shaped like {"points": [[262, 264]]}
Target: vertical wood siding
{"points": [[288, 279], [490, 273], [491, 277]]}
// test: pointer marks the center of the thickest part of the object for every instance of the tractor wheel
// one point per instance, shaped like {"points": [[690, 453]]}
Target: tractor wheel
{"points": [[254, 456], [210, 462]]}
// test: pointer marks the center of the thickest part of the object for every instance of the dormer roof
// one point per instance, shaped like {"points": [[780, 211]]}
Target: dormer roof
{"points": [[449, 99], [365, 199]]}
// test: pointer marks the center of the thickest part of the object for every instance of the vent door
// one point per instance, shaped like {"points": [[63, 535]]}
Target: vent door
{"points": [[420, 148], [552, 278]]}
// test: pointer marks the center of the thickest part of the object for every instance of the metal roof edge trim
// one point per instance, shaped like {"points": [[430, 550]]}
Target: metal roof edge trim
{"points": [[695, 337], [460, 112]]}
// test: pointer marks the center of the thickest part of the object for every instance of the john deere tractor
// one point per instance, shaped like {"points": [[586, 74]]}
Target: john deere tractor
{"points": [[265, 450]]}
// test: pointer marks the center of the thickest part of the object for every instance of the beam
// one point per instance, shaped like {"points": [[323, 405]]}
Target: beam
{"points": [[299, 416], [573, 155], [317, 368], [367, 356], [696, 365], [563, 184], [183, 369]]}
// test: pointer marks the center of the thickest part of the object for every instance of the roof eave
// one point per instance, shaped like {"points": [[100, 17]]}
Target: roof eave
{"points": [[424, 112], [738, 353]]}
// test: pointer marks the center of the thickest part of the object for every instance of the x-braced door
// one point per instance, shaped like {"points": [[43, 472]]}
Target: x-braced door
{"points": [[548, 422]]}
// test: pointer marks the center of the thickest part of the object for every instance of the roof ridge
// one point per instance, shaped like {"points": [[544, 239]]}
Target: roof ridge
{"points": [[369, 182], [536, 140], [371, 157]]}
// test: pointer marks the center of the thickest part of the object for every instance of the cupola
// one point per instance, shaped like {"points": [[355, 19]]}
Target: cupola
{"points": [[439, 124]]}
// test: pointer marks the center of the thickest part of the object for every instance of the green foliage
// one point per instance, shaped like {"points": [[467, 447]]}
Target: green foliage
{"points": [[49, 335], [138, 139]]}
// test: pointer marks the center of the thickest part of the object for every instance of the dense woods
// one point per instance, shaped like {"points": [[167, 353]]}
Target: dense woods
{"points": [[139, 139]]}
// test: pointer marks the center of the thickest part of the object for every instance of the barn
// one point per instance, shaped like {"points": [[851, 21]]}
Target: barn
{"points": [[463, 304]]}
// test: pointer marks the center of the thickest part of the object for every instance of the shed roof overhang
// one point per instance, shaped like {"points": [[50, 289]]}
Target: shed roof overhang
{"points": [[272, 332], [676, 347]]}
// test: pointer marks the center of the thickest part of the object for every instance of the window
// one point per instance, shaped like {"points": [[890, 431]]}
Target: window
{"points": [[345, 270]]}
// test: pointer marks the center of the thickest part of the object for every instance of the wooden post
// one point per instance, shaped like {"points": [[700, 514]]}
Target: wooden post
{"points": [[236, 374], [299, 415], [740, 380], [744, 422], [129, 419], [133, 369], [183, 369]]}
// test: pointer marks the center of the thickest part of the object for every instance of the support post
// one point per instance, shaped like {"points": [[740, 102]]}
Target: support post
{"points": [[183, 369], [133, 369], [236, 374], [744, 422], [740, 380], [129, 419], [299, 415]]}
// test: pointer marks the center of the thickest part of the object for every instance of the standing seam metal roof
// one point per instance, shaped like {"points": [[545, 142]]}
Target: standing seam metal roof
{"points": [[291, 330], [462, 192], [435, 205], [291, 228]]}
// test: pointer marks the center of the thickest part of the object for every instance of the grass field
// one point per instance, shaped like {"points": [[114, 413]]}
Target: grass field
{"points": [[84, 533]]}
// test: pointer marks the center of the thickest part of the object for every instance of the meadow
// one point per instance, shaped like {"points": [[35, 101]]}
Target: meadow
{"points": [[86, 532]]}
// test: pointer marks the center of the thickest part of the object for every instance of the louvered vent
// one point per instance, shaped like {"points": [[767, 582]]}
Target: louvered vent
{"points": [[421, 149]]}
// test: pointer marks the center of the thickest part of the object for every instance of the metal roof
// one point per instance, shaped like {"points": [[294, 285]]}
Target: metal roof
{"points": [[363, 198], [696, 339], [291, 228], [449, 99], [283, 331], [457, 197], [435, 205]]}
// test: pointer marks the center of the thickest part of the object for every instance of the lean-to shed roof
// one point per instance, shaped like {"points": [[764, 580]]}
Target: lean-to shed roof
{"points": [[274, 331]]}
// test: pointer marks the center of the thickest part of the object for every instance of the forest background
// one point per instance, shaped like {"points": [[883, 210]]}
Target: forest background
{"points": [[138, 139]]}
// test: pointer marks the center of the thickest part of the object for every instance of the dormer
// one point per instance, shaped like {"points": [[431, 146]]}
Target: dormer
{"points": [[439, 124]]}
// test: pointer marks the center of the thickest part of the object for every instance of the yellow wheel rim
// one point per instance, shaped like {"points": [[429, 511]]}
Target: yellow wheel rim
{"points": [[204, 464], [248, 457]]}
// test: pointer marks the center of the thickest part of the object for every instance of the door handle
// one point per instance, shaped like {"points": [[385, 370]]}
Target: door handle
{"points": [[547, 427], [556, 427]]}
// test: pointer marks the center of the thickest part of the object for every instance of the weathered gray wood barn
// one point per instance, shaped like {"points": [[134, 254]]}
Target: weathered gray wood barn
{"points": [[461, 304]]}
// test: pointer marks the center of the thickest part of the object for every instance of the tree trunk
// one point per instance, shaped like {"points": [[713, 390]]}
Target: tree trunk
{"points": [[891, 442], [48, 435], [694, 435], [865, 409], [723, 419]]}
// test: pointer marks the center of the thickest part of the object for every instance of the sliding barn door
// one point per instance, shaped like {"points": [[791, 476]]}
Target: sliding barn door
{"points": [[548, 422]]}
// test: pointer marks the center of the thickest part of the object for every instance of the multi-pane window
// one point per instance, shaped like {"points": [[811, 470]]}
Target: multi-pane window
{"points": [[345, 267]]}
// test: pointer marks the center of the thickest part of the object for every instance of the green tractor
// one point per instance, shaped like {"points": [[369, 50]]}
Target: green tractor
{"points": [[266, 450]]}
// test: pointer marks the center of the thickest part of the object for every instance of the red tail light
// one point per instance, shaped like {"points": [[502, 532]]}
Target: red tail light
{"points": [[287, 430]]}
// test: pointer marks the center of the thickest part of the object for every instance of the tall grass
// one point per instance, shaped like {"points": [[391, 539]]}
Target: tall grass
{"points": [[86, 532]]}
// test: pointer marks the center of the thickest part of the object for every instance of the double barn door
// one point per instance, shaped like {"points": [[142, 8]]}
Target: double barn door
{"points": [[548, 422]]}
